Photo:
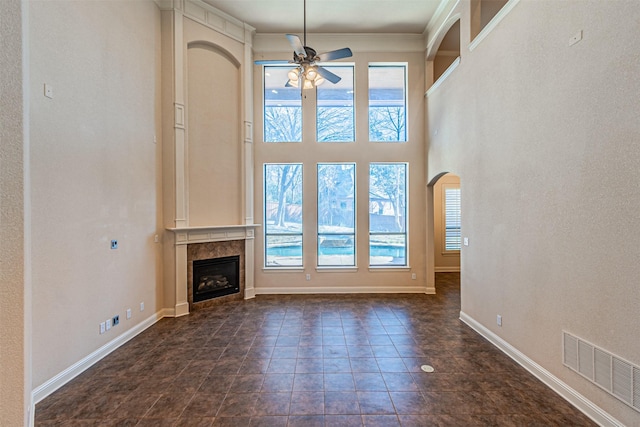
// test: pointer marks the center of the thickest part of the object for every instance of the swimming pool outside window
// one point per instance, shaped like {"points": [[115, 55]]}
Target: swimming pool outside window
{"points": [[388, 214], [336, 214], [283, 214]]}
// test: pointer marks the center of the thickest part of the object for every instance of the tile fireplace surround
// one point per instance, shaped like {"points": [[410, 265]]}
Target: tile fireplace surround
{"points": [[193, 243]]}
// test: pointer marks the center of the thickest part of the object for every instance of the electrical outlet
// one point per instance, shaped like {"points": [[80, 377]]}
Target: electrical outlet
{"points": [[116, 319], [114, 244], [128, 313], [414, 276], [108, 324], [308, 277], [499, 320], [142, 306], [103, 328]]}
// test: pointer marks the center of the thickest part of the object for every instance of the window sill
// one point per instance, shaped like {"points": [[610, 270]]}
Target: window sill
{"points": [[282, 269], [337, 269], [389, 268]]}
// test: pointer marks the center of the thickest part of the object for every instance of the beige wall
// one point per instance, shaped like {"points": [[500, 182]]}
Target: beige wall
{"points": [[544, 137], [14, 228], [95, 174], [213, 117], [309, 153], [449, 261]]}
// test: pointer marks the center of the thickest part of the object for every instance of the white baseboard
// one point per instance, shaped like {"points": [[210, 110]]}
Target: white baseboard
{"points": [[430, 291], [594, 412], [45, 389], [341, 290]]}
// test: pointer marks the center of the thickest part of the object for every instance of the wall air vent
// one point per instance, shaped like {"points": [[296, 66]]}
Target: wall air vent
{"points": [[571, 351], [608, 371], [636, 387]]}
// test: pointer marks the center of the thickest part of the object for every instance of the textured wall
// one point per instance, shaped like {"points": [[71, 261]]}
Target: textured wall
{"points": [[95, 174], [544, 137], [13, 357]]}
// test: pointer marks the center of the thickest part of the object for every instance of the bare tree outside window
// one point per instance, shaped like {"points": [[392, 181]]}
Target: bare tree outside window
{"points": [[283, 214], [336, 214], [387, 103], [387, 214]]}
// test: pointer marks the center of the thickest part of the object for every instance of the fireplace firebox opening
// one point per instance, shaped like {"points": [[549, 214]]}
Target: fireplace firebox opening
{"points": [[215, 277]]}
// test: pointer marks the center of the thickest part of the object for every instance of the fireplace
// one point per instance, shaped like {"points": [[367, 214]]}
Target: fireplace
{"points": [[215, 277]]}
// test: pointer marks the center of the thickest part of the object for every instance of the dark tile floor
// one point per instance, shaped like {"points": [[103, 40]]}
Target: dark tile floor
{"points": [[320, 360]]}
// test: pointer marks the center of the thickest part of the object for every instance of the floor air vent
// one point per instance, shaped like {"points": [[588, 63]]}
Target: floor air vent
{"points": [[613, 374]]}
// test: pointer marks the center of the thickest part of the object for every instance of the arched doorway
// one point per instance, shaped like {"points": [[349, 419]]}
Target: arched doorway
{"points": [[444, 226]]}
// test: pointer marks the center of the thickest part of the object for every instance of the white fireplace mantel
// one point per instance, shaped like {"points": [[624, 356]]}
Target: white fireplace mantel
{"points": [[203, 234], [214, 233]]}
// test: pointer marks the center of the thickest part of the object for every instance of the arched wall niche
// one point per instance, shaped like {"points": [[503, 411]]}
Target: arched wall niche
{"points": [[448, 50], [482, 12], [204, 44], [213, 135], [436, 39]]}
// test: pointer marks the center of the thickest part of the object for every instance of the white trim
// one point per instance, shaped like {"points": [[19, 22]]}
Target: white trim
{"points": [[437, 36], [445, 6], [341, 290], [591, 410], [389, 268], [53, 384], [249, 293], [430, 291], [336, 269], [493, 23], [443, 77], [447, 269], [282, 269]]}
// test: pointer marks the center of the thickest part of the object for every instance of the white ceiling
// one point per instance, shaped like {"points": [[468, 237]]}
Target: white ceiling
{"points": [[332, 16]]}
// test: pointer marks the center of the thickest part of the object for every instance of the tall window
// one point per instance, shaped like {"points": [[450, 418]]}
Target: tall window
{"points": [[335, 115], [336, 214], [451, 207], [387, 214], [282, 107], [283, 214], [387, 103]]}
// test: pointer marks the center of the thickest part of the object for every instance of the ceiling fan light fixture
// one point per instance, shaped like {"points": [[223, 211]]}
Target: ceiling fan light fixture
{"points": [[311, 73], [293, 74]]}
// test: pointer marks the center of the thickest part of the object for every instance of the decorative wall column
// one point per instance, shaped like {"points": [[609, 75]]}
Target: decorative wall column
{"points": [[176, 169], [247, 89]]}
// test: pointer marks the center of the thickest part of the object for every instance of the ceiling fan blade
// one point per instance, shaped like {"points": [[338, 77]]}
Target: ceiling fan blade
{"points": [[272, 62], [335, 54], [328, 75], [296, 44]]}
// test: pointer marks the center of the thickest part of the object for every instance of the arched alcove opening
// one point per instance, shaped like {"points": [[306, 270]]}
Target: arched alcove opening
{"points": [[448, 51], [214, 156], [482, 12]]}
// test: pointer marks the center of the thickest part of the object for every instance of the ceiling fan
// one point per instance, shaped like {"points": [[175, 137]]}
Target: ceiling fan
{"points": [[307, 74]]}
